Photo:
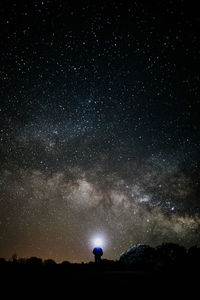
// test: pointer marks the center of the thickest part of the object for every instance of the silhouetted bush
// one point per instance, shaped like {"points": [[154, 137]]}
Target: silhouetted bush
{"points": [[21, 261], [3, 261], [65, 263], [34, 261], [49, 262]]}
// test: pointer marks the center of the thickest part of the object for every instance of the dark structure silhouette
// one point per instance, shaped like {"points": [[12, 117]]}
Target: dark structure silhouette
{"points": [[98, 252]]}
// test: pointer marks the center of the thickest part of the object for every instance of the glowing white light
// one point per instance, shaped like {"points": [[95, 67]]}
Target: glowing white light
{"points": [[98, 242], [98, 239]]}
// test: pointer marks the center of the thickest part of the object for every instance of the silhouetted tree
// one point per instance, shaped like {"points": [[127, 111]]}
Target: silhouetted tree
{"points": [[65, 263], [194, 257], [49, 262], [170, 255], [34, 261], [14, 258]]}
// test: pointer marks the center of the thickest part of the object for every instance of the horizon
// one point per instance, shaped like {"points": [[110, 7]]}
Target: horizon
{"points": [[59, 261]]}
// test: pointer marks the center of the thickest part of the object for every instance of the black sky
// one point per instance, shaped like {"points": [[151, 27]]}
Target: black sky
{"points": [[99, 126]]}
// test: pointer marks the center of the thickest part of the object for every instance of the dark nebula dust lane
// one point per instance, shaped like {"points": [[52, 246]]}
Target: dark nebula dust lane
{"points": [[99, 126]]}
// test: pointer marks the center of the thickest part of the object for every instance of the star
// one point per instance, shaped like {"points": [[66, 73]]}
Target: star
{"points": [[99, 127]]}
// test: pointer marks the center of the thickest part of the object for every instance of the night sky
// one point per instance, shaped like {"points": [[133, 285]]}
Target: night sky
{"points": [[99, 126]]}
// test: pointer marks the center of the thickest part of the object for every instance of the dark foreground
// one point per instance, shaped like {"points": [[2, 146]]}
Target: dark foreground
{"points": [[92, 280]]}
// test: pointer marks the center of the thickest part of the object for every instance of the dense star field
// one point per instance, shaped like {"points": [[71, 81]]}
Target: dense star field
{"points": [[99, 126]]}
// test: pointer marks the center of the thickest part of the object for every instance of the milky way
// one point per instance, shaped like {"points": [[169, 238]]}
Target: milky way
{"points": [[99, 127]]}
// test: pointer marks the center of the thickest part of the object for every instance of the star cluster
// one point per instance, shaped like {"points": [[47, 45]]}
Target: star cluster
{"points": [[99, 126]]}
